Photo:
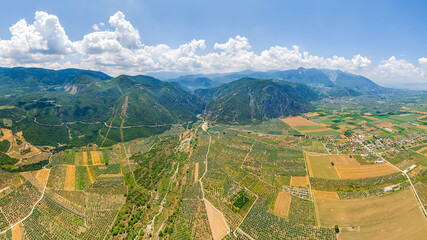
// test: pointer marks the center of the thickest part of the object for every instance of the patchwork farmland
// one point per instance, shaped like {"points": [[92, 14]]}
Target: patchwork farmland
{"points": [[291, 178]]}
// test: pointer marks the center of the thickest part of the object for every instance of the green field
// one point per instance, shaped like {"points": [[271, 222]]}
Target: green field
{"points": [[320, 167]]}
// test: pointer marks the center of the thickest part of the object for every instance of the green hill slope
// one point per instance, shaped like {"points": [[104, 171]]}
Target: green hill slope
{"points": [[249, 100]]}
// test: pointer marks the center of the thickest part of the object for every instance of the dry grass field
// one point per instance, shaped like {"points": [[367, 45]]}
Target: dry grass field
{"points": [[42, 175], [365, 171], [298, 121], [422, 127], [217, 222], [17, 232], [282, 204], [196, 172], [94, 156], [386, 124], [299, 181], [422, 149], [315, 130], [70, 178], [315, 114], [343, 160], [393, 216], [84, 160], [319, 165], [7, 135], [325, 194], [89, 173]]}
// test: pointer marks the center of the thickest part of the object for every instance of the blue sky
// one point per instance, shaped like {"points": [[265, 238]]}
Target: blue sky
{"points": [[384, 40]]}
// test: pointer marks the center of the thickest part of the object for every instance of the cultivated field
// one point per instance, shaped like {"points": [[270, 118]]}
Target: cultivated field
{"points": [[94, 155], [344, 167], [325, 194], [17, 232], [70, 178], [394, 216], [216, 221], [42, 175], [343, 160], [89, 173], [282, 204], [365, 171], [319, 165], [299, 181], [298, 121], [84, 161]]}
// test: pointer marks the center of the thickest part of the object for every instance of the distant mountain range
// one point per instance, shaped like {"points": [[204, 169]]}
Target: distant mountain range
{"points": [[311, 77], [77, 107]]}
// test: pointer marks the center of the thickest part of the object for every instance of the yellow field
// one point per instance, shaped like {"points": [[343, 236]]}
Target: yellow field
{"points": [[342, 128], [315, 130], [343, 160], [421, 150], [394, 216], [315, 114], [84, 162], [196, 173], [42, 175], [216, 221], [7, 135], [365, 171], [325, 194], [299, 181], [422, 127], [70, 178], [298, 121], [319, 165], [90, 175], [94, 155], [17, 232], [282, 204], [383, 125]]}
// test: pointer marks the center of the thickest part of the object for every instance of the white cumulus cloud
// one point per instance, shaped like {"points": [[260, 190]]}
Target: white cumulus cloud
{"points": [[117, 48]]}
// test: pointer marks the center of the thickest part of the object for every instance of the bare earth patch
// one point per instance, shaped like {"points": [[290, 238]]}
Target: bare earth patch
{"points": [[282, 204], [70, 177], [299, 181], [7, 135], [196, 173], [217, 222]]}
